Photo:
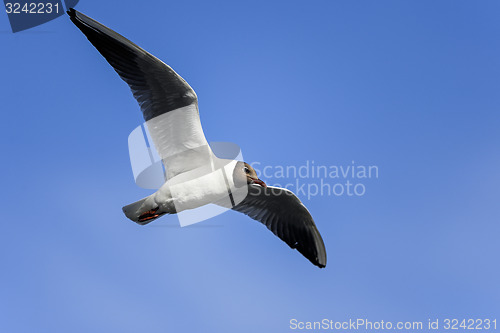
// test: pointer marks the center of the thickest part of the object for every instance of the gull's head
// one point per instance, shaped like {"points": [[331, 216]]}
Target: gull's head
{"points": [[244, 174]]}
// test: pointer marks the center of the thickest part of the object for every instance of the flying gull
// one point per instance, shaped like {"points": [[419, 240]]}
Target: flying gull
{"points": [[170, 108]]}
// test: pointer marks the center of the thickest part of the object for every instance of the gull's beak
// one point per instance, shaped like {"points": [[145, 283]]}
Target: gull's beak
{"points": [[258, 181]]}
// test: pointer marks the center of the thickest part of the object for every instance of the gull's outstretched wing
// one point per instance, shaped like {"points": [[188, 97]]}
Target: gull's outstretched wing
{"points": [[169, 105], [285, 215]]}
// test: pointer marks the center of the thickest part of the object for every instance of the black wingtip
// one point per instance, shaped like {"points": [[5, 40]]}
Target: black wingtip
{"points": [[318, 263], [321, 261], [71, 12]]}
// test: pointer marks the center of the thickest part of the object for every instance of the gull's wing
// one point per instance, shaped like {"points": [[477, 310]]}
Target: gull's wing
{"points": [[285, 215], [169, 105]]}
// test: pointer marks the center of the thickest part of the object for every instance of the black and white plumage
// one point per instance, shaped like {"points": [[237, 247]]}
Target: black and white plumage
{"points": [[156, 87], [287, 217], [170, 109]]}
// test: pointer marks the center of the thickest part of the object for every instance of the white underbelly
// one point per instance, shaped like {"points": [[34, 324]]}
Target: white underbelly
{"points": [[201, 186]]}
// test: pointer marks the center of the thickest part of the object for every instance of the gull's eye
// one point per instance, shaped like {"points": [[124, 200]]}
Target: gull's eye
{"points": [[247, 170]]}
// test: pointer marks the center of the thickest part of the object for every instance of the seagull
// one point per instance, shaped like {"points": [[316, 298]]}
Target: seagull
{"points": [[194, 175]]}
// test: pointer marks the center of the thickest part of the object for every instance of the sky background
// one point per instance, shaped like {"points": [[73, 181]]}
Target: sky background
{"points": [[409, 86]]}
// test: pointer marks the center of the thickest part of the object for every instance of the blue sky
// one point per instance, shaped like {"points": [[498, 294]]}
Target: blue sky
{"points": [[408, 86]]}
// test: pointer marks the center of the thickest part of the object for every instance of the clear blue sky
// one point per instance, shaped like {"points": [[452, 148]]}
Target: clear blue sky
{"points": [[409, 86]]}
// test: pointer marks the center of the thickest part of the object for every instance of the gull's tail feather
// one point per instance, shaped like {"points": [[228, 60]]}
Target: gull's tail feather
{"points": [[143, 211]]}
